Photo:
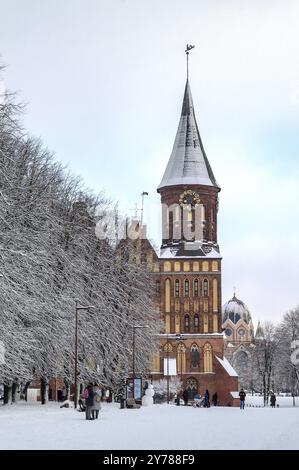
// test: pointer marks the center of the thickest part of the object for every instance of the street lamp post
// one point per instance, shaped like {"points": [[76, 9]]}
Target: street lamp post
{"points": [[167, 352], [76, 351], [133, 354]]}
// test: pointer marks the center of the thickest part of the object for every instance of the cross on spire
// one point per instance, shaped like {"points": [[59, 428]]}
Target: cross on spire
{"points": [[188, 49]]}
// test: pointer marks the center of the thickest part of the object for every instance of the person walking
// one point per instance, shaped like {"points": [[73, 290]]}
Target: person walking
{"points": [[207, 399], [215, 399], [273, 400], [96, 402], [242, 396], [185, 396], [88, 395]]}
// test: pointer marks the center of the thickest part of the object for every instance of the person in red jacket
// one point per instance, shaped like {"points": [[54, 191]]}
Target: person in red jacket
{"points": [[242, 396]]}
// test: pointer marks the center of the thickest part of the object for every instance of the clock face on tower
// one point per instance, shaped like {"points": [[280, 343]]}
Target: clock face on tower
{"points": [[189, 197]]}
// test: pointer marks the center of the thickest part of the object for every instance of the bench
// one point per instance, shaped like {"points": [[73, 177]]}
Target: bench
{"points": [[131, 403]]}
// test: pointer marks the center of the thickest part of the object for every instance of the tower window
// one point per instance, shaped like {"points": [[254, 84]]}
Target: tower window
{"points": [[177, 288], [196, 323], [206, 288], [195, 285], [187, 288], [186, 323]]}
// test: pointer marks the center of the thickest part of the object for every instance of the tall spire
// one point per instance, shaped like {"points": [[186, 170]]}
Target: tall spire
{"points": [[188, 163]]}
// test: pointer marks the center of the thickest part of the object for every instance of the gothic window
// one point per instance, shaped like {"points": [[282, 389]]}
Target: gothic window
{"points": [[195, 287], [196, 323], [194, 355], [192, 388], [228, 332], [157, 287], [208, 358], [181, 358], [167, 295], [186, 288], [177, 287], [187, 323], [206, 288]]}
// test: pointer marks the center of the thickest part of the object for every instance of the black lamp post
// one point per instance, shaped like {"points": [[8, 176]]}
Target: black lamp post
{"points": [[133, 354]]}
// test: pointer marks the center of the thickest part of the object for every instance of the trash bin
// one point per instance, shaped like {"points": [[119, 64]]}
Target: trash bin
{"points": [[122, 403]]}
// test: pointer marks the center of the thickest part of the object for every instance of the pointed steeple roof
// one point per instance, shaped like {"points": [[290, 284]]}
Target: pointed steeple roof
{"points": [[188, 163]]}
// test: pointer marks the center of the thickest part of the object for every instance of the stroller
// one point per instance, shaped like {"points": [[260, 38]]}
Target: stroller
{"points": [[198, 401]]}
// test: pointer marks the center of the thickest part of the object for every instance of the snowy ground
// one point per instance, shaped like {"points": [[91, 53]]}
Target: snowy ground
{"points": [[33, 426]]}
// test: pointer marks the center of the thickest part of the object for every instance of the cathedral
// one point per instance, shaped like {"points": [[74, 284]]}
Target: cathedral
{"points": [[187, 270]]}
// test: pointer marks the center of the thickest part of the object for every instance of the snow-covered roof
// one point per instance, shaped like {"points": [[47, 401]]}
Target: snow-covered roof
{"points": [[177, 252], [227, 366], [188, 163], [235, 310]]}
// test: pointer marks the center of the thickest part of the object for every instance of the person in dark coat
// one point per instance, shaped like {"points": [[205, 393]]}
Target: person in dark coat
{"points": [[207, 399], [273, 400], [215, 399], [185, 396], [242, 396], [89, 399]]}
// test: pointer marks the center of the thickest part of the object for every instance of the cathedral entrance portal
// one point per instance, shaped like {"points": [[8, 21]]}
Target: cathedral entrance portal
{"points": [[192, 387]]}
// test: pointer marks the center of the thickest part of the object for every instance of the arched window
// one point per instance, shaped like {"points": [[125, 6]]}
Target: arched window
{"points": [[208, 358], [187, 323], [195, 288], [181, 358], [205, 288], [167, 295], [187, 288], [177, 287], [194, 355], [196, 323], [177, 266]]}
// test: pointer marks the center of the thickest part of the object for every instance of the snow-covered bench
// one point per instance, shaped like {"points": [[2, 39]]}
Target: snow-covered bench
{"points": [[131, 403]]}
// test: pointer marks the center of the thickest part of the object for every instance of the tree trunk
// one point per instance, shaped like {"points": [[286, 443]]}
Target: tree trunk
{"points": [[14, 392], [44, 390], [7, 394], [24, 391]]}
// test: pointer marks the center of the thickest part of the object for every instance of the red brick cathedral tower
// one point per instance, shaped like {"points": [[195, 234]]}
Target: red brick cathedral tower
{"points": [[189, 285]]}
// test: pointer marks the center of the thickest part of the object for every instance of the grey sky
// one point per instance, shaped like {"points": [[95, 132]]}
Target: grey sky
{"points": [[104, 82]]}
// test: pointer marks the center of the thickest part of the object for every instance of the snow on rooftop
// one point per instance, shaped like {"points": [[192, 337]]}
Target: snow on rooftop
{"points": [[171, 252], [227, 366]]}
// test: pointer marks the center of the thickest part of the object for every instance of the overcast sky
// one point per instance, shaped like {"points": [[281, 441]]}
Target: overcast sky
{"points": [[104, 83]]}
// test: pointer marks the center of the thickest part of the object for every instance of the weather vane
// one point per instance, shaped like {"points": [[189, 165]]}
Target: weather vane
{"points": [[188, 48]]}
